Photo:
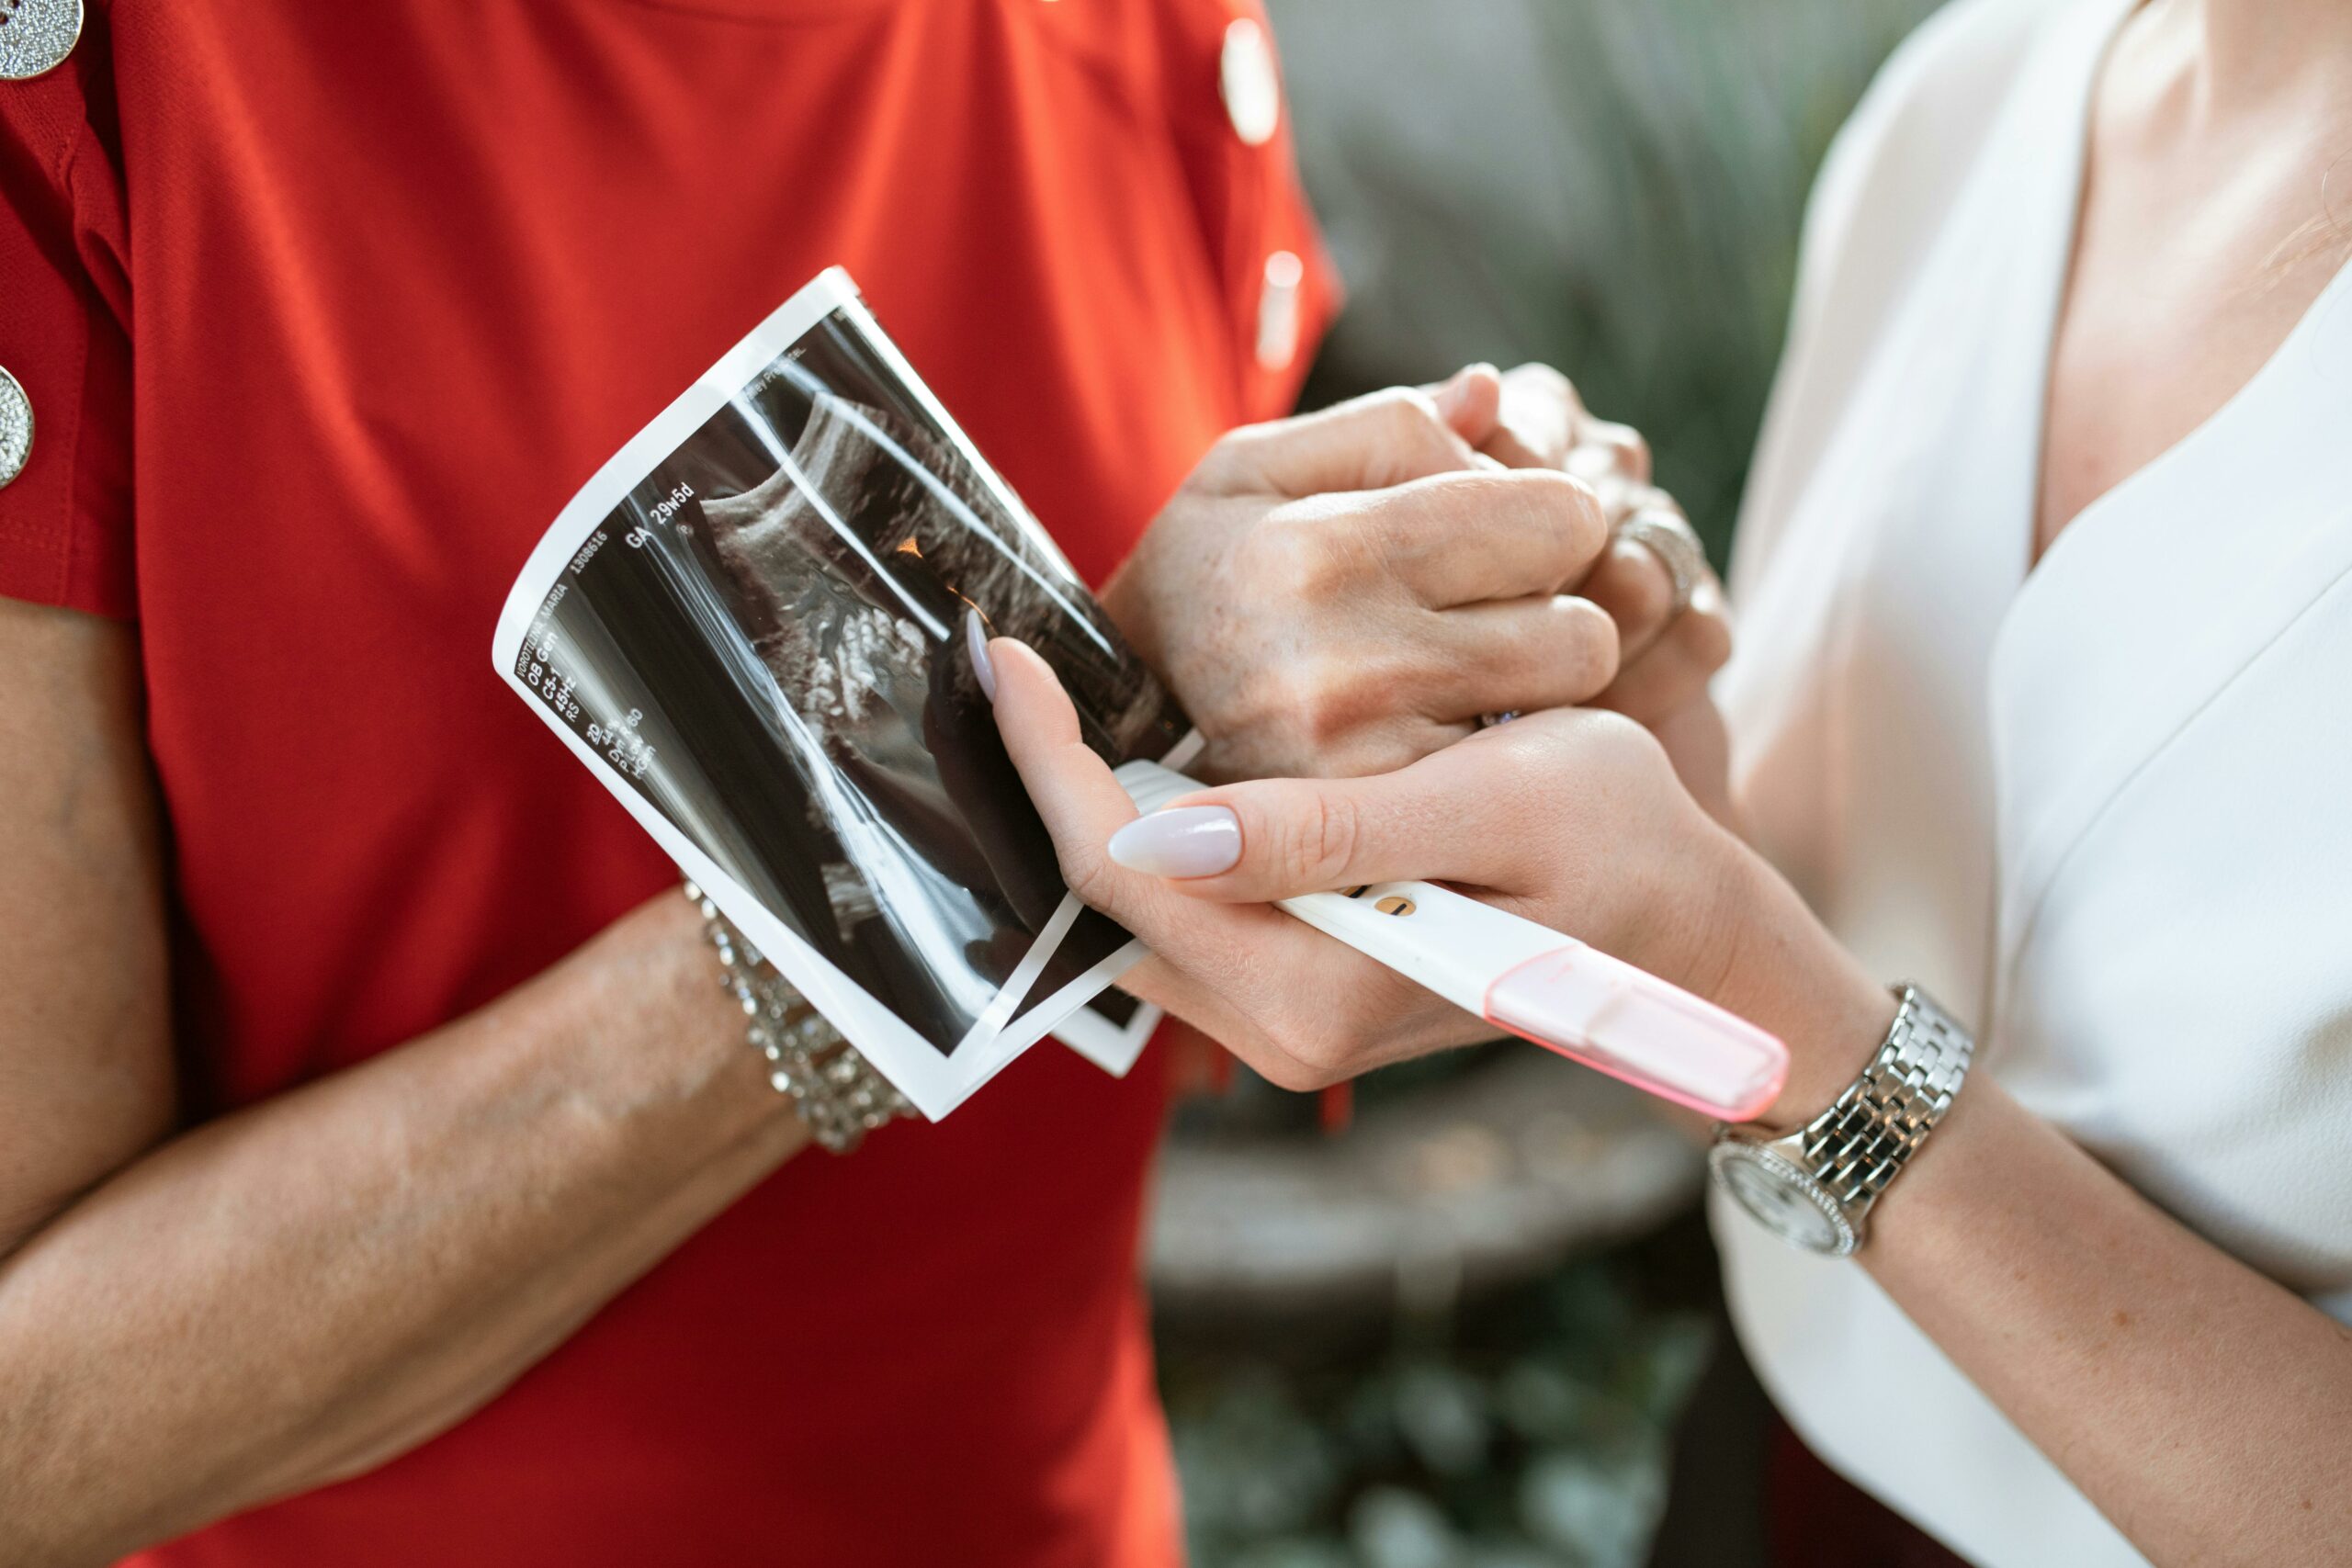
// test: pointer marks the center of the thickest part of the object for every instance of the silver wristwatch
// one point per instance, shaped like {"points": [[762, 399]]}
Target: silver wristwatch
{"points": [[1813, 1189]]}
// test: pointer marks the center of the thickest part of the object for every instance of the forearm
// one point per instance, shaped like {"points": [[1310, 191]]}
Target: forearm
{"points": [[296, 1291], [2205, 1409]]}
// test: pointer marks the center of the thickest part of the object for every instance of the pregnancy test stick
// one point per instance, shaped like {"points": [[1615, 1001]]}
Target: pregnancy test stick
{"points": [[1538, 984]]}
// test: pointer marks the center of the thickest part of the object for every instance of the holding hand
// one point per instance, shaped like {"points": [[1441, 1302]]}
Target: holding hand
{"points": [[1673, 626], [1570, 818], [1347, 590]]}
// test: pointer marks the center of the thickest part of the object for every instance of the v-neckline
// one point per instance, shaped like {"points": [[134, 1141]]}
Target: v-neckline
{"points": [[2068, 238], [2081, 109], [2073, 718]]}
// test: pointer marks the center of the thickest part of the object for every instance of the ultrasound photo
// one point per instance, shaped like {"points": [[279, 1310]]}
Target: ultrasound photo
{"points": [[754, 626]]}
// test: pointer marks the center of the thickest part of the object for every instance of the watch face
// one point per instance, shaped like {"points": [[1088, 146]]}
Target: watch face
{"points": [[1784, 1199]]}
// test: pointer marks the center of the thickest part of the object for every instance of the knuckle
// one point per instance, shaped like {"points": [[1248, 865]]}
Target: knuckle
{"points": [[1633, 449], [1708, 638], [1326, 696], [1233, 456], [1363, 753], [1571, 508], [1327, 1051], [1089, 874], [1277, 1068], [1644, 585], [1603, 734], [1376, 739], [1287, 1070], [1541, 377], [1411, 423], [1595, 646], [1388, 679], [1291, 554], [1405, 408], [1317, 843], [1638, 454], [1531, 755], [1334, 827]]}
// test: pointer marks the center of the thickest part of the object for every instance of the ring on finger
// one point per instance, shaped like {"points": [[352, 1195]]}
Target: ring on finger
{"points": [[1666, 534]]}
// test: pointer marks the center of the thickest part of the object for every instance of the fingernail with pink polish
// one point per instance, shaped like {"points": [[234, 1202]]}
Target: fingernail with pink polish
{"points": [[1183, 841], [976, 643]]}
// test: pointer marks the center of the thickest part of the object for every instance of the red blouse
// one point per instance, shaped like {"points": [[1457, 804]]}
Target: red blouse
{"points": [[323, 310]]}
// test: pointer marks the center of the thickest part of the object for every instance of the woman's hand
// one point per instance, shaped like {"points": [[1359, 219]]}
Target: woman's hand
{"points": [[1347, 590], [1532, 417], [1572, 818]]}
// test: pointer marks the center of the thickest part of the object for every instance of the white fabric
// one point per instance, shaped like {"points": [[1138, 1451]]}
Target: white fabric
{"points": [[2103, 810]]}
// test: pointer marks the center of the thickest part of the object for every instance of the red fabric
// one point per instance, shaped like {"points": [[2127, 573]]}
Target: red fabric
{"points": [[1820, 1520], [324, 310]]}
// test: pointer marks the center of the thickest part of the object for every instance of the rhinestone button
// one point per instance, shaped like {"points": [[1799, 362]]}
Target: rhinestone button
{"points": [[16, 429], [1253, 92], [36, 36]]}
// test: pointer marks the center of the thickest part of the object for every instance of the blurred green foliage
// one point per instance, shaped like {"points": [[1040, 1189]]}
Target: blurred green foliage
{"points": [[1532, 1431], [1614, 186]]}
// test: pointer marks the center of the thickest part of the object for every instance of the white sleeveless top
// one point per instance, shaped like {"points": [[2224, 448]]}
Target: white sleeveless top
{"points": [[2103, 811]]}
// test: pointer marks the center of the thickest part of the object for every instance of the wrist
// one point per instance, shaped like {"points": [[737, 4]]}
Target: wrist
{"points": [[650, 991], [1956, 1180], [1784, 972], [1817, 1186]]}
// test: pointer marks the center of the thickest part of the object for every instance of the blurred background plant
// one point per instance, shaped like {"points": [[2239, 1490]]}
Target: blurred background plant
{"points": [[1613, 186], [1465, 1335], [1536, 1434]]}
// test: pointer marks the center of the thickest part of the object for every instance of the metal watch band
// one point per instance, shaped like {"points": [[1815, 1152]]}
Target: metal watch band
{"points": [[1814, 1187], [1863, 1142]]}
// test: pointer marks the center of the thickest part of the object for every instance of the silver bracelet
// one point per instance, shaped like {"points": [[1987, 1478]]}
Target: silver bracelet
{"points": [[836, 1090]]}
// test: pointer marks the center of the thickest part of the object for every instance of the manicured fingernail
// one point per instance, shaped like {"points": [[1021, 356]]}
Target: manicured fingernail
{"points": [[976, 642], [1184, 841]]}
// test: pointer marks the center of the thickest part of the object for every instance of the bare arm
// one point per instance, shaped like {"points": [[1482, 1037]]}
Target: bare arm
{"points": [[2205, 1409], [298, 1292]]}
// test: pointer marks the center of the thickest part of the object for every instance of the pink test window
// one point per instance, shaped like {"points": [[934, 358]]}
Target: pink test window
{"points": [[1617, 1020]]}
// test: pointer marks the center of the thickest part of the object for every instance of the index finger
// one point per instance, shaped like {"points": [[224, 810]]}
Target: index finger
{"points": [[1449, 816], [1475, 537], [1380, 439]]}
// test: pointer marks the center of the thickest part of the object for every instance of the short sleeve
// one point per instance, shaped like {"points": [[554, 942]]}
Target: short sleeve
{"points": [[65, 520]]}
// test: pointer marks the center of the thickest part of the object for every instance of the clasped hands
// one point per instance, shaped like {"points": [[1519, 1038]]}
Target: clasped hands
{"points": [[1337, 599], [1346, 591]]}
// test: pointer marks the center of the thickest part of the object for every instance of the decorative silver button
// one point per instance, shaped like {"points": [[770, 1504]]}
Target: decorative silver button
{"points": [[1252, 88], [36, 36], [16, 429], [1278, 311]]}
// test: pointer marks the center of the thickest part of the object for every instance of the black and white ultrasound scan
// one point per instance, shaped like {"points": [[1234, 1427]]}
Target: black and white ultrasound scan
{"points": [[754, 624]]}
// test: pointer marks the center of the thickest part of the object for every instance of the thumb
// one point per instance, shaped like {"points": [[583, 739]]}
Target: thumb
{"points": [[1081, 802], [1275, 838]]}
